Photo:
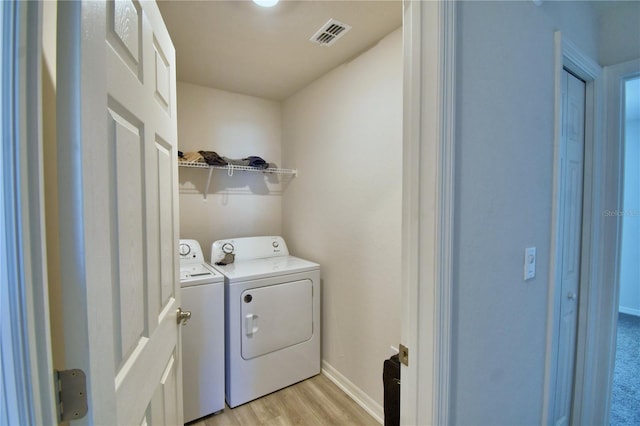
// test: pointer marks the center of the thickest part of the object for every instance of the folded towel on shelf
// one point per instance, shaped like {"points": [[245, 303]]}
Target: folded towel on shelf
{"points": [[213, 159], [257, 162], [192, 157], [251, 161]]}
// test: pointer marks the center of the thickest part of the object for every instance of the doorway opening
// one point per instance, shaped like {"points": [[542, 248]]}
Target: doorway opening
{"points": [[625, 393]]}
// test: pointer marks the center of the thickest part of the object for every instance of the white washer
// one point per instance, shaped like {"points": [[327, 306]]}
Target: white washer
{"points": [[203, 335], [272, 317]]}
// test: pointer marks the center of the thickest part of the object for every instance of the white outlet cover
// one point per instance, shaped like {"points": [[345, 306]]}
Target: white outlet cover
{"points": [[529, 263]]}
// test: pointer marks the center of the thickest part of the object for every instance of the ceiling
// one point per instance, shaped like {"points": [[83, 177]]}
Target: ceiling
{"points": [[238, 46]]}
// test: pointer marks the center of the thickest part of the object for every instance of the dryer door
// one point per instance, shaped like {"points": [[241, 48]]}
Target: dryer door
{"points": [[276, 317]]}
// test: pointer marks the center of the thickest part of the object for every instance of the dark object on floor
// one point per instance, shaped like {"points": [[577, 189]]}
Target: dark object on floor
{"points": [[391, 381]]}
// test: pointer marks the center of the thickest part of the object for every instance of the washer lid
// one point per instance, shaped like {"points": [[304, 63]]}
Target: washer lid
{"points": [[265, 268], [198, 273]]}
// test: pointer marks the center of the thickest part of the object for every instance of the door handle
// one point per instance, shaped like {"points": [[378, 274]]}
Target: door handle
{"points": [[182, 316], [249, 324], [571, 295]]}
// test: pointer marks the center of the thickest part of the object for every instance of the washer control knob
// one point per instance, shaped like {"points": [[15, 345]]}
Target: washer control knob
{"points": [[275, 244], [185, 249]]}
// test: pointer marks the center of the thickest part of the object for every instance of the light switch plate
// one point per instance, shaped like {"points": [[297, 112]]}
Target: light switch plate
{"points": [[529, 263]]}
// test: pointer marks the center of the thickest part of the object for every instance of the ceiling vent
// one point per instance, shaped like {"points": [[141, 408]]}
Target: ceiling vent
{"points": [[330, 32]]}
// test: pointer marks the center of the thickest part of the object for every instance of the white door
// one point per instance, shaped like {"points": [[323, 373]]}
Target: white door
{"points": [[117, 138], [571, 180]]}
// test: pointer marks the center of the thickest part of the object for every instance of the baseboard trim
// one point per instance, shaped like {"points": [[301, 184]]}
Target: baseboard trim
{"points": [[630, 311], [374, 409]]}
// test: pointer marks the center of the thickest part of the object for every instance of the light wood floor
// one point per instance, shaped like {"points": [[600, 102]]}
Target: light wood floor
{"points": [[315, 401]]}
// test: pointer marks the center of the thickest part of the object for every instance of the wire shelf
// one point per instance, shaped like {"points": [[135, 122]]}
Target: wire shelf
{"points": [[195, 164], [231, 169]]}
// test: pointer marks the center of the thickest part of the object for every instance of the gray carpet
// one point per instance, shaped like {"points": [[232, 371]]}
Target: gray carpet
{"points": [[625, 397]]}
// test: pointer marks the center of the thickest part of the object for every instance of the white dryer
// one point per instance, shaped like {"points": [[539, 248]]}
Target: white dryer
{"points": [[202, 291], [272, 309]]}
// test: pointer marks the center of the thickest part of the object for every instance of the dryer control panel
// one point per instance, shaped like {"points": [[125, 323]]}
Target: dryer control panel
{"points": [[249, 248]]}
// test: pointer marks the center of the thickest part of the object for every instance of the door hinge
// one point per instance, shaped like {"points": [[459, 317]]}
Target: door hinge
{"points": [[72, 394], [403, 354]]}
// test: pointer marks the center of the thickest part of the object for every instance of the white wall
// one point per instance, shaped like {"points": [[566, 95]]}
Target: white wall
{"points": [[343, 210], [629, 265], [619, 29], [504, 176], [235, 126]]}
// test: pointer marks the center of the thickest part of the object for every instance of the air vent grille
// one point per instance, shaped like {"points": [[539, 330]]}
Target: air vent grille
{"points": [[330, 32]]}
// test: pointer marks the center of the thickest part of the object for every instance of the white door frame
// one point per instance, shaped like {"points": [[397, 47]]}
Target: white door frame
{"points": [[27, 392], [427, 209]]}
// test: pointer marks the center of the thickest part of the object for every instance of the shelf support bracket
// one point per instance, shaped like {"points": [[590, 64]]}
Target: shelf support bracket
{"points": [[206, 189]]}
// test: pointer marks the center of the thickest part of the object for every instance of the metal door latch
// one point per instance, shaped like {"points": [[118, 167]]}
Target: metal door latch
{"points": [[403, 354], [182, 316], [72, 394]]}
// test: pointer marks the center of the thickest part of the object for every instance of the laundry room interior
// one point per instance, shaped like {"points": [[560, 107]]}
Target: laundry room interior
{"points": [[336, 134]]}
